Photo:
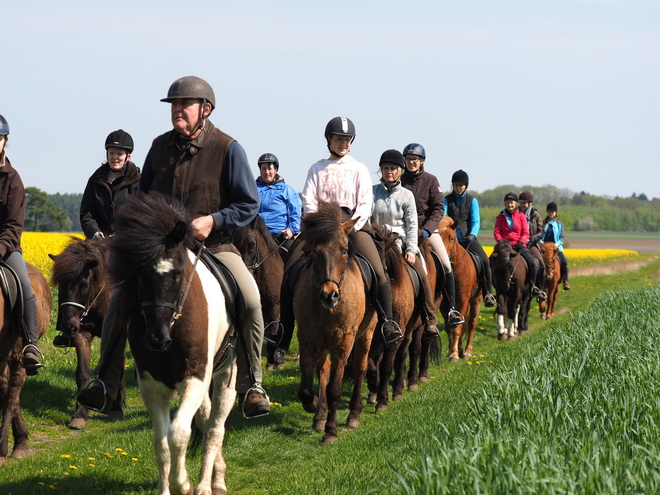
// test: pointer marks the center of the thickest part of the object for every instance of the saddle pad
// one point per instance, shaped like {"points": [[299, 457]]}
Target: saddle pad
{"points": [[228, 284], [13, 293]]}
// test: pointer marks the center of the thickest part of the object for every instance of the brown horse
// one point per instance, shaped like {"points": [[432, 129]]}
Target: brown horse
{"points": [[468, 292], [513, 290], [261, 255], [12, 373], [553, 278], [84, 289], [406, 309], [334, 317], [178, 330]]}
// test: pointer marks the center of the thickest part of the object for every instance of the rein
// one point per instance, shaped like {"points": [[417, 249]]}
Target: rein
{"points": [[258, 263], [87, 307]]}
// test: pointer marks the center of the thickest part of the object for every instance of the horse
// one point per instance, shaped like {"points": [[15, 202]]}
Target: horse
{"points": [[513, 291], [468, 292], [260, 254], [12, 373], [406, 311], [334, 316], [84, 289], [553, 278], [179, 334]]}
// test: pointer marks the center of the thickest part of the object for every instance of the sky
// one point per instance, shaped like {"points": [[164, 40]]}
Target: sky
{"points": [[562, 92]]}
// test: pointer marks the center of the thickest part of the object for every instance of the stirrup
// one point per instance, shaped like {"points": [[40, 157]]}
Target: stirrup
{"points": [[61, 336], [105, 395], [263, 391], [456, 315], [32, 368], [275, 337], [397, 330]]}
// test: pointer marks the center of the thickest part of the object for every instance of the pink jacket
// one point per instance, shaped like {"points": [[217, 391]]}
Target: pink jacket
{"points": [[520, 231]]}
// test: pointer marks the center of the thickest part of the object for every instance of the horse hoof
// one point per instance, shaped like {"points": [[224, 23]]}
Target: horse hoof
{"points": [[413, 387], [319, 425], [270, 367], [354, 423], [424, 379], [327, 439], [371, 399], [19, 453], [502, 336], [381, 407], [115, 415], [513, 337], [466, 356], [453, 359], [310, 407], [77, 424], [3, 461], [543, 317], [522, 332]]}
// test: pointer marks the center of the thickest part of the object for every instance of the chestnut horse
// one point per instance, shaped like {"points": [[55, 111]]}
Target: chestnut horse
{"points": [[12, 373], [261, 255], [468, 292], [406, 309], [512, 288], [334, 317], [553, 278], [178, 331], [84, 289]]}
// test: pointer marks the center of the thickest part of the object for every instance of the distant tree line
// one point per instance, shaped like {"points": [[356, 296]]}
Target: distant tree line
{"points": [[579, 211]]}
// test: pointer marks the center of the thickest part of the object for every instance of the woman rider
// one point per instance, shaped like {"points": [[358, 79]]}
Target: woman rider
{"points": [[279, 202], [341, 179], [12, 216], [535, 224], [430, 210], [394, 207], [554, 232], [511, 224], [462, 206]]}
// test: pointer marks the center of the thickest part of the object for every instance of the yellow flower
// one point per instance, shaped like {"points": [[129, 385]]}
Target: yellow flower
{"points": [[91, 465], [66, 456], [134, 459], [73, 467]]}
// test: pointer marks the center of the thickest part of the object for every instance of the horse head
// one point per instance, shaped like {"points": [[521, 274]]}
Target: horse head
{"points": [[549, 250]]}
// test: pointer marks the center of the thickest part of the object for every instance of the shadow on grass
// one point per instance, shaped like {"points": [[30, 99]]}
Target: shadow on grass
{"points": [[86, 484]]}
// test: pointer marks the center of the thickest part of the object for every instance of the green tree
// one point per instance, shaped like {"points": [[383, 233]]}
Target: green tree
{"points": [[42, 214]]}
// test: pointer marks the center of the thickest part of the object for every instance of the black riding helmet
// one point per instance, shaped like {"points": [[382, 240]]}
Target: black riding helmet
{"points": [[392, 156], [511, 195], [415, 149], [4, 126], [268, 158], [119, 139], [460, 177], [341, 126]]}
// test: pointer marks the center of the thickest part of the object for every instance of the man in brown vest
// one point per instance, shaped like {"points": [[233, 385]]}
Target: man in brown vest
{"points": [[207, 171]]}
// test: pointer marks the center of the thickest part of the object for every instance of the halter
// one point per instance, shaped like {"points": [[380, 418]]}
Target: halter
{"points": [[178, 306], [88, 306]]}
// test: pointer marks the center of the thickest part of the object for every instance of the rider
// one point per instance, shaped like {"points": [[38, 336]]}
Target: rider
{"points": [[535, 224], [394, 207], [554, 232], [207, 171], [461, 205], [511, 224], [430, 209], [341, 179], [12, 215], [280, 203]]}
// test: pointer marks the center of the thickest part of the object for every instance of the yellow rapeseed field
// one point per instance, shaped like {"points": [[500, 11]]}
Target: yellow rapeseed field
{"points": [[577, 257]]}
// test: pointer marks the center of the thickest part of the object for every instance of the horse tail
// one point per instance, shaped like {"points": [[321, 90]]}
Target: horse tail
{"points": [[196, 440], [434, 351]]}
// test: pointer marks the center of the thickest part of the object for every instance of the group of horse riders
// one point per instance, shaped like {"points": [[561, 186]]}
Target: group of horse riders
{"points": [[207, 171]]}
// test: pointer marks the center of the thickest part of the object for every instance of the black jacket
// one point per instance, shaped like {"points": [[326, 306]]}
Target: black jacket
{"points": [[101, 198]]}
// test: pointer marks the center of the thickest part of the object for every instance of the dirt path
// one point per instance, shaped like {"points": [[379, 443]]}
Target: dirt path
{"points": [[610, 268]]}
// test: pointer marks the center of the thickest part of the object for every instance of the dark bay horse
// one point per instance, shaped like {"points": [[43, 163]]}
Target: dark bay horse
{"points": [[512, 288], [468, 292], [178, 331], [553, 278], [12, 373], [84, 289], [334, 317], [406, 312], [261, 255]]}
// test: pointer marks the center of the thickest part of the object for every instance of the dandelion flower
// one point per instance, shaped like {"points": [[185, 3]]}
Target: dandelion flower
{"points": [[65, 456]]}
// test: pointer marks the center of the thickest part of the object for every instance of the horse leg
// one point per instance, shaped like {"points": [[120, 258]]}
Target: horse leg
{"points": [[361, 349], [14, 416], [415, 350], [453, 338], [308, 363], [333, 393], [471, 322], [385, 373], [399, 367], [156, 398], [320, 418], [82, 342], [373, 376]]}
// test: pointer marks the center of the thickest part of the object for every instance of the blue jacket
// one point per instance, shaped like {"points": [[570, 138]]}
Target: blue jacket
{"points": [[280, 206], [469, 215], [554, 232]]}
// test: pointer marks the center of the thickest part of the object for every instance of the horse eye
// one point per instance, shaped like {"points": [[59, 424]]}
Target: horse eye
{"points": [[345, 252]]}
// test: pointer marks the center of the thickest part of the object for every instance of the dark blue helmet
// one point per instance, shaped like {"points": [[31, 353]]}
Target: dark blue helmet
{"points": [[415, 149], [4, 126], [268, 158]]}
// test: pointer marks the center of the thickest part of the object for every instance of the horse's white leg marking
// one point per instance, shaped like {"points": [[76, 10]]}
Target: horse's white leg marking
{"points": [[501, 327]]}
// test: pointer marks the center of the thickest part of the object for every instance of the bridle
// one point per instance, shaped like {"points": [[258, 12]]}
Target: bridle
{"points": [[87, 307], [177, 307], [255, 262], [338, 284]]}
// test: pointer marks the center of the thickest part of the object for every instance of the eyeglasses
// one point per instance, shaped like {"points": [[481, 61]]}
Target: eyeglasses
{"points": [[413, 159]]}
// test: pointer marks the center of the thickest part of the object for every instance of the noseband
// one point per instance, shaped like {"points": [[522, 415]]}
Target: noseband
{"points": [[256, 263], [87, 307]]}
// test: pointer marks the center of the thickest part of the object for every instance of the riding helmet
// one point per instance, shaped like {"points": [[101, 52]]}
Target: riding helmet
{"points": [[460, 177], [190, 87], [4, 127], [552, 206], [392, 156], [268, 158], [119, 139], [512, 196], [415, 149], [342, 126], [526, 196]]}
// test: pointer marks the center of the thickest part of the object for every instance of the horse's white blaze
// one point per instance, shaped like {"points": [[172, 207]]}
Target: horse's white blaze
{"points": [[164, 266]]}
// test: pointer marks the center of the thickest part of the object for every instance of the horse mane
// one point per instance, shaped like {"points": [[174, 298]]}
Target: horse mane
{"points": [[143, 228], [501, 253], [393, 257], [240, 235], [323, 226], [70, 263]]}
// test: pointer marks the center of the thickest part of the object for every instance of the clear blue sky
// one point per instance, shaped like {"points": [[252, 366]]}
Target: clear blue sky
{"points": [[562, 92]]}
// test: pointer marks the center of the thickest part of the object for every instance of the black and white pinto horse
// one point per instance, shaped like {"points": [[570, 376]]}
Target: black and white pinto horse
{"points": [[178, 330]]}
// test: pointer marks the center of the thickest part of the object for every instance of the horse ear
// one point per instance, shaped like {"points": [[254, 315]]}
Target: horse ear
{"points": [[52, 256], [456, 223], [178, 233], [348, 226]]}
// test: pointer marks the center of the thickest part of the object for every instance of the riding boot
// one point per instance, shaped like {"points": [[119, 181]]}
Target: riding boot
{"points": [[389, 328], [454, 316], [564, 273], [31, 353], [487, 284]]}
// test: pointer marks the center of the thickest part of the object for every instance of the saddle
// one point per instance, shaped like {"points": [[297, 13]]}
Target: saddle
{"points": [[13, 293]]}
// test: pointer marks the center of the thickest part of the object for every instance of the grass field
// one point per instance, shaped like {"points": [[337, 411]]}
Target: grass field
{"points": [[476, 427]]}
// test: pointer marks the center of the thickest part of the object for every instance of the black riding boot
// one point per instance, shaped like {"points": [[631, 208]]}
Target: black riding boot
{"points": [[389, 328], [31, 353], [454, 316], [564, 273], [487, 283]]}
